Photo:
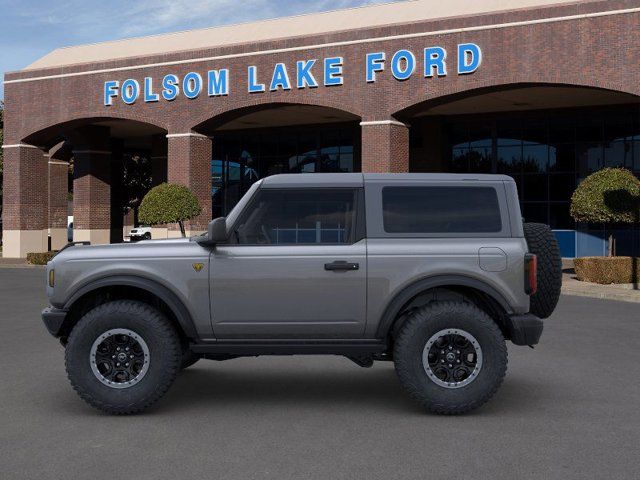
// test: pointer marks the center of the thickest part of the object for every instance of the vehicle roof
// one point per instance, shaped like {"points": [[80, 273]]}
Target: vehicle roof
{"points": [[358, 179]]}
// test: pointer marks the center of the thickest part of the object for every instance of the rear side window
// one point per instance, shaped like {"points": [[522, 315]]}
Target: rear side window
{"points": [[440, 209]]}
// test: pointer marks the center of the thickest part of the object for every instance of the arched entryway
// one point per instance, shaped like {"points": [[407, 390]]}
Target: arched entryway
{"points": [[547, 137], [258, 141], [92, 172]]}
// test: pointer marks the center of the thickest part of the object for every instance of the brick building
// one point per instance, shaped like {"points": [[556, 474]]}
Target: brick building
{"points": [[545, 91]]}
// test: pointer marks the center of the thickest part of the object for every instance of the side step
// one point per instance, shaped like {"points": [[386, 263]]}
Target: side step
{"points": [[291, 347]]}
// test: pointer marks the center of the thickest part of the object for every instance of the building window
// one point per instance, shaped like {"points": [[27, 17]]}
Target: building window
{"points": [[242, 157], [546, 152]]}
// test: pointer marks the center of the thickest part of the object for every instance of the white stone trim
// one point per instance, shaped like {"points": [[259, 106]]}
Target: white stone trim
{"points": [[334, 44], [189, 134], [58, 162], [20, 145], [383, 122]]}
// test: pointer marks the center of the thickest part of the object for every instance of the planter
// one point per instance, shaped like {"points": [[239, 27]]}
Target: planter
{"points": [[606, 270], [40, 258]]}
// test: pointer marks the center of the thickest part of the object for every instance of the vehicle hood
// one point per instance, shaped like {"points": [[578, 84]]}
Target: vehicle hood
{"points": [[145, 248]]}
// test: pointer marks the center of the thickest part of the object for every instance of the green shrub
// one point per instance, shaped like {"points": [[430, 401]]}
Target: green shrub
{"points": [[169, 203], [606, 270], [610, 195], [40, 258]]}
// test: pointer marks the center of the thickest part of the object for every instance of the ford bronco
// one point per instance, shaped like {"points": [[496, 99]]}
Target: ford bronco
{"points": [[434, 272]]}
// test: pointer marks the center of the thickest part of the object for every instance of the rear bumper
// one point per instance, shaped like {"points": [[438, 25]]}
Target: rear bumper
{"points": [[525, 329], [53, 319]]}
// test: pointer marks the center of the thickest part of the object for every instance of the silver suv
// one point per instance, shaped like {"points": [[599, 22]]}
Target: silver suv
{"points": [[431, 271]]}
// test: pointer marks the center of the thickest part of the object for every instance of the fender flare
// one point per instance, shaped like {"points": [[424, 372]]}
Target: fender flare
{"points": [[394, 307], [176, 306]]}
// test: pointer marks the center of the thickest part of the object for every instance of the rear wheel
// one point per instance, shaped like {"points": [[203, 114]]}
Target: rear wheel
{"points": [[542, 242], [450, 356], [122, 356]]}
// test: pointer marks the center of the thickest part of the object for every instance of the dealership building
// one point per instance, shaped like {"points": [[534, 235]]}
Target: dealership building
{"points": [[546, 91]]}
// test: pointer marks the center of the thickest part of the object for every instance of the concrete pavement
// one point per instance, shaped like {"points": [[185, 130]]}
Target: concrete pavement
{"points": [[568, 409]]}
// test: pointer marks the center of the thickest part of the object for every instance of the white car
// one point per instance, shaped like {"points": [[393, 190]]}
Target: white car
{"points": [[140, 233]]}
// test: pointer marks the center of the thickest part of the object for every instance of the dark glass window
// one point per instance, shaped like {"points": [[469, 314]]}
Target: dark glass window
{"points": [[546, 151], [441, 210], [293, 216], [242, 157]]}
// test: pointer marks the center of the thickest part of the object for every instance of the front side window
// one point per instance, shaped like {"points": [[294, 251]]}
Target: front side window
{"points": [[294, 216], [441, 210]]}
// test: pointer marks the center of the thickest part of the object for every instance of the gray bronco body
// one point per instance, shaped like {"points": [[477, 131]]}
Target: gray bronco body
{"points": [[384, 256]]}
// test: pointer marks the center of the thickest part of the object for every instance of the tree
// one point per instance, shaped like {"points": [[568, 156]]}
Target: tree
{"points": [[136, 182], [169, 203], [611, 195]]}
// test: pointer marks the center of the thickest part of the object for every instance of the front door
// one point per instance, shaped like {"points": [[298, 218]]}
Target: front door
{"points": [[294, 268]]}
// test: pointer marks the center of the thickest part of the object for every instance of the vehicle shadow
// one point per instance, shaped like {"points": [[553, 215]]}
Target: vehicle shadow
{"points": [[373, 389]]}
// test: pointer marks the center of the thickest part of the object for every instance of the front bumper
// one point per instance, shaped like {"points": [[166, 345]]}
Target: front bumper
{"points": [[525, 329], [53, 319]]}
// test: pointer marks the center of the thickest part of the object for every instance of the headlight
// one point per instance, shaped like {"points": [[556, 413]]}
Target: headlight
{"points": [[52, 277]]}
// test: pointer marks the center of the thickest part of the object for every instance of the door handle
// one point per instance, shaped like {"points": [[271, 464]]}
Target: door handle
{"points": [[341, 265]]}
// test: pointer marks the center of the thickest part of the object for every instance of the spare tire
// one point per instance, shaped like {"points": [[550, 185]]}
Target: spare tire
{"points": [[542, 242]]}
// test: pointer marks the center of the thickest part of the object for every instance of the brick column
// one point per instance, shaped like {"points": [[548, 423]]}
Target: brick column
{"points": [[25, 209], [91, 184], [385, 146], [189, 163], [117, 187], [58, 190], [59, 157], [92, 196], [158, 159]]}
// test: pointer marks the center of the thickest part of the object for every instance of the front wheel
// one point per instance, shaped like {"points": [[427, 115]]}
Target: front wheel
{"points": [[122, 356], [450, 356]]}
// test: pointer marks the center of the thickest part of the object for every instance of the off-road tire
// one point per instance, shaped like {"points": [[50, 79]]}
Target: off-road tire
{"points": [[164, 352], [542, 242], [414, 334]]}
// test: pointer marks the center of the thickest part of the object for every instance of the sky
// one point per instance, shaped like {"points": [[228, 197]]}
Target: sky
{"points": [[31, 29]]}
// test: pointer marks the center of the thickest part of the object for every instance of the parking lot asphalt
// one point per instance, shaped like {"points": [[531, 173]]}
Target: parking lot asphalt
{"points": [[568, 409]]}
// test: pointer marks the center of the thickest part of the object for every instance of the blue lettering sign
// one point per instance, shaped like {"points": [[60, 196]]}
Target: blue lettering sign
{"points": [[130, 91], [110, 92], [304, 76], [375, 63], [469, 58], [280, 78], [149, 96], [170, 87], [254, 86], [192, 85], [403, 64], [218, 81], [333, 71], [434, 58]]}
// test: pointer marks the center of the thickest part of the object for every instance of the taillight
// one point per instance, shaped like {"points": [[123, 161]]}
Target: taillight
{"points": [[530, 273]]}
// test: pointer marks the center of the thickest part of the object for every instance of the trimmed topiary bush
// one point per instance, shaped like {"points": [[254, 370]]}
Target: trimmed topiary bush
{"points": [[606, 270], [169, 203], [611, 195], [40, 258]]}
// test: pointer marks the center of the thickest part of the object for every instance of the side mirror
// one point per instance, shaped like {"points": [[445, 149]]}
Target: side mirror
{"points": [[217, 230]]}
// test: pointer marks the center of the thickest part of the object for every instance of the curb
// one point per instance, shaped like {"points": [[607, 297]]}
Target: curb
{"points": [[571, 286], [20, 265]]}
